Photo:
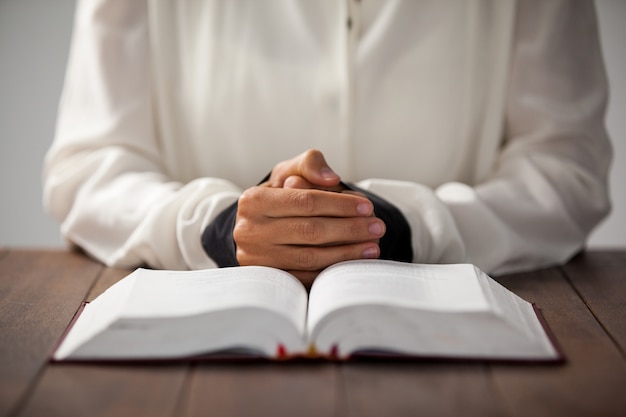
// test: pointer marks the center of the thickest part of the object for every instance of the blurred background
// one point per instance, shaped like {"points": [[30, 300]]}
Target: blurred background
{"points": [[34, 43]]}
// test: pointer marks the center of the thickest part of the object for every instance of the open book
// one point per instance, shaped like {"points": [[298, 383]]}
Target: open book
{"points": [[370, 307]]}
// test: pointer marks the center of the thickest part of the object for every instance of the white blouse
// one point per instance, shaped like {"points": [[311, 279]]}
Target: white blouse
{"points": [[481, 121]]}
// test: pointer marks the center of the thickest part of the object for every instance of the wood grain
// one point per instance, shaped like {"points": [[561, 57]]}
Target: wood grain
{"points": [[39, 293], [248, 389], [600, 279], [592, 382], [583, 303], [108, 390], [109, 277], [414, 389]]}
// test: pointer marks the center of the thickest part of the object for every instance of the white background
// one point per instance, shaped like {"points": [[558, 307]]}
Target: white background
{"points": [[34, 41]]}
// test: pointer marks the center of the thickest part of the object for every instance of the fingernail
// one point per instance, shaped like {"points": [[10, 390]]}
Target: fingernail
{"points": [[364, 209], [328, 174], [370, 253], [376, 229]]}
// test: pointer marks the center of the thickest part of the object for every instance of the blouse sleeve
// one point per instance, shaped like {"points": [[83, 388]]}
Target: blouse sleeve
{"points": [[549, 186], [103, 179]]}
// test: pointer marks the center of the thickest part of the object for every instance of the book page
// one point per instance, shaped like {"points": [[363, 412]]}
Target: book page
{"points": [[517, 312], [446, 288], [184, 293], [91, 322], [160, 313]]}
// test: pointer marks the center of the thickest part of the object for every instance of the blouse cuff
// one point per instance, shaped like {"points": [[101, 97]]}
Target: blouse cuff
{"points": [[396, 244], [217, 238]]}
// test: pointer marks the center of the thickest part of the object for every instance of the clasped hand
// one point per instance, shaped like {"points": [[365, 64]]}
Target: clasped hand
{"points": [[302, 220]]}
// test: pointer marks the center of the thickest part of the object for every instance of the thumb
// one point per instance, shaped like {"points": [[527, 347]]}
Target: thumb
{"points": [[314, 168]]}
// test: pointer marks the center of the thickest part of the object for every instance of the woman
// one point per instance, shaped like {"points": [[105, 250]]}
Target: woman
{"points": [[470, 133]]}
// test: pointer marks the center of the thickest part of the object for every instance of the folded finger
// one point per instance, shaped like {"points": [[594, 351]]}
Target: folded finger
{"points": [[284, 202], [311, 258], [316, 231]]}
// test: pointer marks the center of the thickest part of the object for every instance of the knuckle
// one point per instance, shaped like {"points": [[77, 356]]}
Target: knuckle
{"points": [[248, 194], [246, 199], [305, 259], [242, 232], [309, 231], [312, 154], [355, 230], [280, 167], [304, 201], [247, 258], [279, 173], [250, 201], [242, 257]]}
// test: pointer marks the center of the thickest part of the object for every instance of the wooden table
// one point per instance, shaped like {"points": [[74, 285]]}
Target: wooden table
{"points": [[583, 302]]}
